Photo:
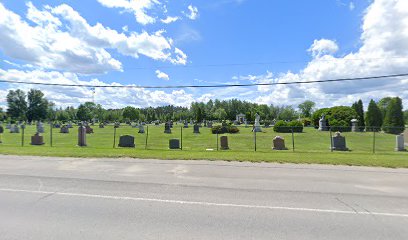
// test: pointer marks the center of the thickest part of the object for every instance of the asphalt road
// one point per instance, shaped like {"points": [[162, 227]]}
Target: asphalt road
{"points": [[57, 198]]}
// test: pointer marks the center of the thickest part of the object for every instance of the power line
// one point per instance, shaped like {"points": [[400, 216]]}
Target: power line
{"points": [[206, 86]]}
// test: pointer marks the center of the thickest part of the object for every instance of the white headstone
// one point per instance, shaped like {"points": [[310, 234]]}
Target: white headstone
{"points": [[400, 146]]}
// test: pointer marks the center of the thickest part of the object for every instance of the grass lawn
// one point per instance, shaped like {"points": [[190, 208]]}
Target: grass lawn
{"points": [[311, 146]]}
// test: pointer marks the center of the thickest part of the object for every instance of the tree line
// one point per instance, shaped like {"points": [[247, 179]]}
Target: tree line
{"points": [[33, 106]]}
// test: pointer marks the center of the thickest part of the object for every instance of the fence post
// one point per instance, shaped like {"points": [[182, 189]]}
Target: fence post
{"points": [[51, 134], [217, 139], [331, 140], [181, 138], [114, 136], [22, 136], [293, 141], [374, 141], [255, 139], [147, 136]]}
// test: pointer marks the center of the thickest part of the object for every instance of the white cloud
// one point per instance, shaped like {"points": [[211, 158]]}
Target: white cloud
{"points": [[137, 7], [383, 51], [169, 20], [108, 97], [193, 12], [162, 75], [323, 47], [63, 40], [351, 6]]}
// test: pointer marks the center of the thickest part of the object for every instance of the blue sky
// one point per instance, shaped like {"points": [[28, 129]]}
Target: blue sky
{"points": [[225, 41]]}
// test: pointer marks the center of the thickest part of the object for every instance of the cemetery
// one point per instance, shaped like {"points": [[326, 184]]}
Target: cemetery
{"points": [[162, 141]]}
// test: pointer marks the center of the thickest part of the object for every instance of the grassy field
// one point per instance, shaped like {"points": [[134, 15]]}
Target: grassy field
{"points": [[311, 146]]}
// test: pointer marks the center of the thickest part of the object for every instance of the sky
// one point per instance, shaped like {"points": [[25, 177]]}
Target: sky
{"points": [[204, 42]]}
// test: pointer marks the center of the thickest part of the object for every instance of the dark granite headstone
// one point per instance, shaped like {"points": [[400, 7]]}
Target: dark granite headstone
{"points": [[37, 140], [224, 143], [64, 129], [196, 129], [1, 129], [81, 136], [279, 143], [174, 144], [167, 128], [127, 141], [89, 130], [339, 142]]}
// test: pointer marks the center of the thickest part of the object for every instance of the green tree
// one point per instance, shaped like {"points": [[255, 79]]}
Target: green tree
{"points": [[306, 108], [406, 116], [383, 105], [130, 113], [51, 111], [37, 105], [359, 108], [288, 113], [394, 117], [84, 113], [373, 119], [17, 105], [220, 114], [341, 116]]}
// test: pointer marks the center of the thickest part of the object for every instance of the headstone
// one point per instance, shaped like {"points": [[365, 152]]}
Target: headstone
{"points": [[127, 141], [117, 125], [82, 136], [101, 125], [266, 125], [224, 143], [174, 144], [279, 143], [69, 125], [322, 123], [406, 137], [8, 126], [40, 127], [257, 127], [141, 129], [400, 146], [57, 125], [185, 124], [89, 130], [354, 125], [171, 124], [135, 125], [15, 129], [339, 142], [64, 129], [167, 128], [1, 130], [196, 129], [210, 124], [37, 140]]}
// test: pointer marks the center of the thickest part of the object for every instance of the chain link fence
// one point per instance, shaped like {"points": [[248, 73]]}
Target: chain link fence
{"points": [[246, 140]]}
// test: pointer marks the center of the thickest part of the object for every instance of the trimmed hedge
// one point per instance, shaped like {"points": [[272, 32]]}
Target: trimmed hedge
{"points": [[224, 129], [286, 127]]}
